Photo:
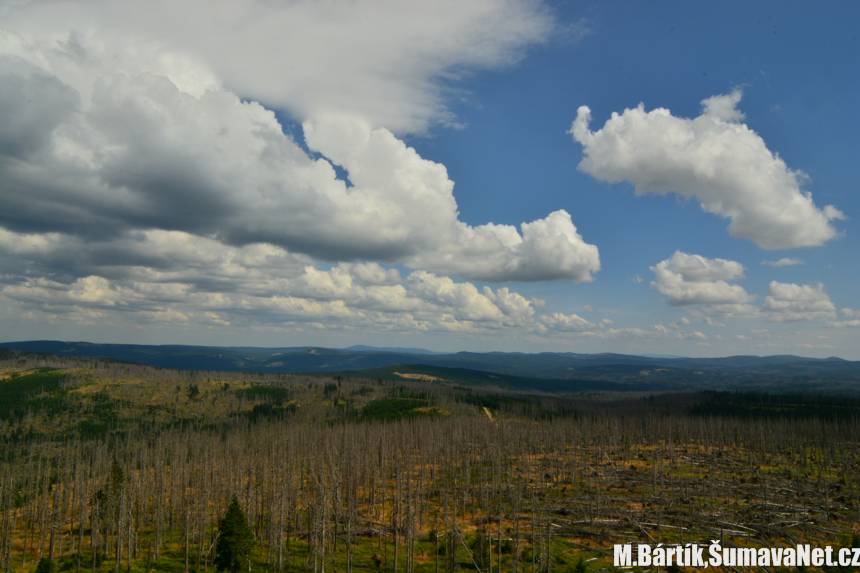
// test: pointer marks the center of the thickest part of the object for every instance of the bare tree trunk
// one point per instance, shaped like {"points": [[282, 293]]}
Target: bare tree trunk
{"points": [[187, 527]]}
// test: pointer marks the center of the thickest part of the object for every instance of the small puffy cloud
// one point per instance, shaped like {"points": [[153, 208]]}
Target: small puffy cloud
{"points": [[783, 262], [696, 268], [514, 306], [790, 302], [690, 280], [587, 308], [850, 313], [693, 280], [29, 244], [602, 330], [371, 273], [714, 158], [164, 316], [567, 323], [844, 323], [94, 292], [734, 310], [549, 249], [463, 299], [657, 332]]}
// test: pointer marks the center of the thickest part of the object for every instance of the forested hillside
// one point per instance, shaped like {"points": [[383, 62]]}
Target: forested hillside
{"points": [[547, 371], [111, 466]]}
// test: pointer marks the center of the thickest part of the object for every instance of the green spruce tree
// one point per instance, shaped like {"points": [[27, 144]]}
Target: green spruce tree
{"points": [[46, 565], [235, 540]]}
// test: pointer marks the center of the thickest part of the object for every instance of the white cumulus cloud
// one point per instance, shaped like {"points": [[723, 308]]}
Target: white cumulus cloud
{"points": [[120, 119], [783, 262], [202, 282], [694, 280], [850, 313], [689, 280], [388, 61], [844, 323], [714, 158], [568, 323], [789, 302]]}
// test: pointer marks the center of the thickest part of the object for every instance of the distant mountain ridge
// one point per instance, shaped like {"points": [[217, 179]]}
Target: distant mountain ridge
{"points": [[363, 348], [581, 370]]}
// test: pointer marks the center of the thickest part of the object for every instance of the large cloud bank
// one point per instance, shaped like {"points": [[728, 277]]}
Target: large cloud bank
{"points": [[384, 60], [715, 158], [93, 150], [177, 279], [143, 171]]}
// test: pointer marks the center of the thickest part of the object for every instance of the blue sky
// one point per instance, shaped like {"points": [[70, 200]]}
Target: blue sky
{"points": [[425, 175]]}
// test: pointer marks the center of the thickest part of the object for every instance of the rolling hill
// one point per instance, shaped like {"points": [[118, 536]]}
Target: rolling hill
{"points": [[548, 371]]}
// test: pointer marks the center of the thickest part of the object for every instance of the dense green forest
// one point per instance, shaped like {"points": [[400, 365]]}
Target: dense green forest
{"points": [[111, 466]]}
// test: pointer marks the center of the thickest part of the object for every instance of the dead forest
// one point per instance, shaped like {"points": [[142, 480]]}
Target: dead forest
{"points": [[110, 466]]}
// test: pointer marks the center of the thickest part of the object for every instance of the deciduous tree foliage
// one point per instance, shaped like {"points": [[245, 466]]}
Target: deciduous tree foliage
{"points": [[235, 539]]}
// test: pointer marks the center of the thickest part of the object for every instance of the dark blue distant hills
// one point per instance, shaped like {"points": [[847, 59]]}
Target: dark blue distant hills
{"points": [[550, 370], [395, 349]]}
